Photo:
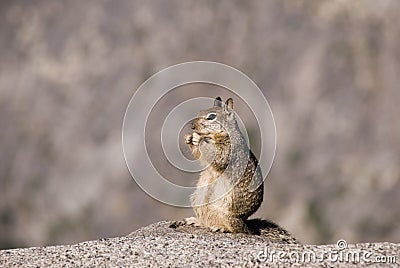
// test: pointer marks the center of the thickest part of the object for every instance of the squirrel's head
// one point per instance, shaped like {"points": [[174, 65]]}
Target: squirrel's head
{"points": [[218, 119]]}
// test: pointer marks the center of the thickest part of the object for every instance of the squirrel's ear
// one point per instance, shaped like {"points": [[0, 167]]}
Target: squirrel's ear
{"points": [[229, 105], [218, 102]]}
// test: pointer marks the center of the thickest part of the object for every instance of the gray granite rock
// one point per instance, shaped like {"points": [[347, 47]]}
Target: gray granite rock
{"points": [[160, 245]]}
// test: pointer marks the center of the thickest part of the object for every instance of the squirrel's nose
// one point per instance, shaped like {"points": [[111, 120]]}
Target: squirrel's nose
{"points": [[192, 125]]}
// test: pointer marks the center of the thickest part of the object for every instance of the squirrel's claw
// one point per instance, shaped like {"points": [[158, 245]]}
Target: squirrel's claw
{"points": [[176, 224], [215, 229]]}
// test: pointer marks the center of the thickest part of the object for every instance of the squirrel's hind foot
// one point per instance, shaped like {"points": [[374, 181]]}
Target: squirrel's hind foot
{"points": [[216, 229], [191, 221]]}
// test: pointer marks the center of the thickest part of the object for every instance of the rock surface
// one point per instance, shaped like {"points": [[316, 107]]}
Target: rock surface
{"points": [[160, 245]]}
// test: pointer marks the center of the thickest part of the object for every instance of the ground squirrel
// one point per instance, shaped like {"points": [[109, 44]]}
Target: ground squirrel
{"points": [[230, 188]]}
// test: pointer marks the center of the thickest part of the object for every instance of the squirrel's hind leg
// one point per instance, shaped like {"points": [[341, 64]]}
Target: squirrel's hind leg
{"points": [[237, 225], [229, 224]]}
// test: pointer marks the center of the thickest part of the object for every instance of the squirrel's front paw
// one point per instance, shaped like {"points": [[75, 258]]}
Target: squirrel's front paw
{"points": [[188, 138], [196, 139]]}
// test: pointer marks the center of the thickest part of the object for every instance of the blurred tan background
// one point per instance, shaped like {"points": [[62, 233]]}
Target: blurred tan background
{"points": [[330, 70]]}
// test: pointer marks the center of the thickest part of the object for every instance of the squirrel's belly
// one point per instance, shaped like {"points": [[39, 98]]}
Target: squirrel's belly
{"points": [[213, 205], [216, 192]]}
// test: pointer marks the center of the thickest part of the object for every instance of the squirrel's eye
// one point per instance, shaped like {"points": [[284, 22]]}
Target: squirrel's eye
{"points": [[211, 116]]}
